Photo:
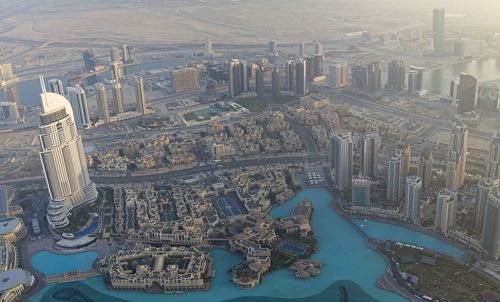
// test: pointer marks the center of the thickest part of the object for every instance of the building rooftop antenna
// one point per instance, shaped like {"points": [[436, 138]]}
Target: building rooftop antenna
{"points": [[44, 90]]}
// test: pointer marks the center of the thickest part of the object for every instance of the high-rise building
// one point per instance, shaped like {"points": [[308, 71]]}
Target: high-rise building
{"points": [[360, 194], [259, 81], [369, 145], [487, 97], [63, 160], [9, 115], [396, 75], [318, 49], [300, 77], [338, 75], [78, 100], [455, 90], [359, 77], [491, 230], [413, 197], [446, 210], [374, 77], [394, 178], [302, 49], [102, 102], [272, 47], [493, 164], [425, 163], [127, 54], [415, 80], [484, 188], [116, 71], [209, 50], [56, 86], [341, 154], [4, 201], [467, 93], [290, 67], [275, 82], [185, 79], [140, 98], [238, 77], [404, 151], [316, 67], [89, 60], [457, 157], [6, 74], [438, 20], [116, 90], [115, 54]]}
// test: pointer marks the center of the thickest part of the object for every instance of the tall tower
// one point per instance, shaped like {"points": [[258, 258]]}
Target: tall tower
{"points": [[425, 163], [275, 82], [338, 75], [394, 178], [374, 77], [140, 98], [290, 66], [360, 194], [238, 77], [457, 157], [300, 77], [63, 161], [302, 49], [396, 75], [438, 17], [117, 98], [446, 210], [485, 187], [413, 197], [209, 50], [369, 151], [102, 103], [56, 86], [493, 164], [127, 54], [115, 54], [78, 100], [341, 159], [259, 80], [318, 49], [491, 230], [467, 92]]}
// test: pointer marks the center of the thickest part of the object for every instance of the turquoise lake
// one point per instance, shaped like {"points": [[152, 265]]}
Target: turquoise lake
{"points": [[347, 263]]}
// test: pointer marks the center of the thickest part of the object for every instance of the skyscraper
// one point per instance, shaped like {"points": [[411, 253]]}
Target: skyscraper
{"points": [[209, 50], [275, 82], [425, 163], [413, 197], [491, 230], [259, 81], [63, 161], [116, 71], [318, 49], [487, 96], [359, 77], [102, 102], [484, 188], [338, 75], [455, 90], [467, 93], [9, 114], [394, 178], [290, 66], [341, 159], [302, 49], [374, 77], [438, 19], [369, 145], [117, 98], [272, 47], [415, 80], [127, 54], [78, 100], [89, 60], [446, 210], [115, 54], [316, 68], [238, 77], [360, 194], [493, 164], [140, 98], [396, 75], [457, 157], [56, 86], [300, 77], [184, 79]]}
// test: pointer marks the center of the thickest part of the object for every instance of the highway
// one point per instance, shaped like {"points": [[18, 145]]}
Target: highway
{"points": [[239, 163]]}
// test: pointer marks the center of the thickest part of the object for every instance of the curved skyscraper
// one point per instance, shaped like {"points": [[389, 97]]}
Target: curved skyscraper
{"points": [[63, 160]]}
